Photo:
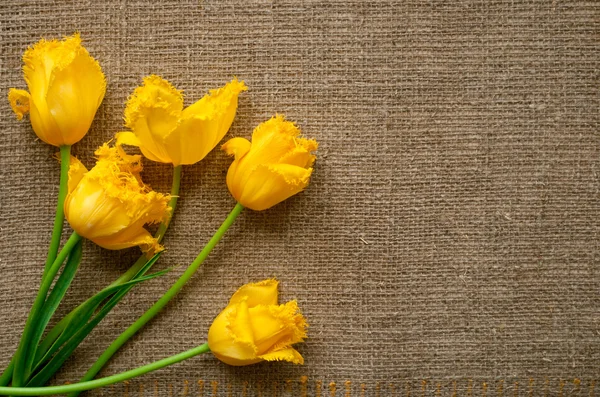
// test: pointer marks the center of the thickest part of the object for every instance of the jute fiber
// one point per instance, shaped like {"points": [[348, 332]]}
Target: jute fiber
{"points": [[448, 242]]}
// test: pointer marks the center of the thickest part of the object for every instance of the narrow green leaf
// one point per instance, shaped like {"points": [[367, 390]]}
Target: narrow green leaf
{"points": [[54, 299], [78, 330], [49, 344]]}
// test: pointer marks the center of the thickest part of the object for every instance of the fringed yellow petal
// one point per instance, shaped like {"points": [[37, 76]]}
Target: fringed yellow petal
{"points": [[75, 93], [275, 125], [19, 102], [300, 155], [230, 336], [76, 172], [239, 324], [130, 238], [288, 354], [271, 184], [277, 326], [127, 138], [45, 56], [236, 147], [153, 100], [152, 113], [254, 294], [219, 103]]}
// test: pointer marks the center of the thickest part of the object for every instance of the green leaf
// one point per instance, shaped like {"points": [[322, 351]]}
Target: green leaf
{"points": [[55, 297], [49, 342], [82, 315], [81, 325]]}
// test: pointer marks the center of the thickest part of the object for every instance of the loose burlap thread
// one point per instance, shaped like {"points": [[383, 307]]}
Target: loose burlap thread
{"points": [[448, 242]]}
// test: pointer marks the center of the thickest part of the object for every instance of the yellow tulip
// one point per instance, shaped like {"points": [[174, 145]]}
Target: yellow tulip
{"points": [[66, 86], [166, 132], [273, 167], [254, 328], [110, 204]]}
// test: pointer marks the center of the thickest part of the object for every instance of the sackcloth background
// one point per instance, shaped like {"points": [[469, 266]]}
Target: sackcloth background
{"points": [[448, 242]]}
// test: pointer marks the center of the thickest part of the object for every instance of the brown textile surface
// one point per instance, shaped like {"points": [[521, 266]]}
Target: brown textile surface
{"points": [[450, 231]]}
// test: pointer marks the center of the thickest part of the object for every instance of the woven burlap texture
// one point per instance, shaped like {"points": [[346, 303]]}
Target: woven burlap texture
{"points": [[450, 231]]}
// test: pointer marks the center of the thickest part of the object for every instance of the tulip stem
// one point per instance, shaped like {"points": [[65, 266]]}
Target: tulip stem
{"points": [[109, 380], [162, 302], [65, 160], [24, 355], [162, 229]]}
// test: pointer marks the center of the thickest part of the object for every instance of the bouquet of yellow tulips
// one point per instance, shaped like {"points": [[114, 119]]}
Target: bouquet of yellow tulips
{"points": [[110, 205]]}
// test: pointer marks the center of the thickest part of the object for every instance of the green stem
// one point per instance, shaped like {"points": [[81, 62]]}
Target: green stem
{"points": [[162, 302], [23, 361], [109, 380], [65, 160], [162, 229]]}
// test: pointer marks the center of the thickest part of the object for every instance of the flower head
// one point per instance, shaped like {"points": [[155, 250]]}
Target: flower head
{"points": [[166, 132], [273, 167], [66, 86], [254, 328], [110, 204]]}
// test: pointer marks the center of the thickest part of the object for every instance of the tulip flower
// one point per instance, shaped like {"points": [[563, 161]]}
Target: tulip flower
{"points": [[273, 167], [254, 328], [166, 132], [66, 86], [110, 204]]}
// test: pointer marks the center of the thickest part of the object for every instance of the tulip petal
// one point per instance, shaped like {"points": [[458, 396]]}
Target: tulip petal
{"points": [[271, 184], [239, 324], [289, 354], [155, 98], [44, 56], [192, 140], [130, 238], [237, 147], [204, 123], [277, 326], [273, 140], [76, 172], [276, 125], [261, 293], [19, 102], [127, 138], [230, 336], [74, 93], [153, 113]]}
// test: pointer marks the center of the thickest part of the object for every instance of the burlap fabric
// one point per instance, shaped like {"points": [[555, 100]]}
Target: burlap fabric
{"points": [[448, 242]]}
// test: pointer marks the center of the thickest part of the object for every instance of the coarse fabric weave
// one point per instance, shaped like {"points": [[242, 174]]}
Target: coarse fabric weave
{"points": [[448, 242]]}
